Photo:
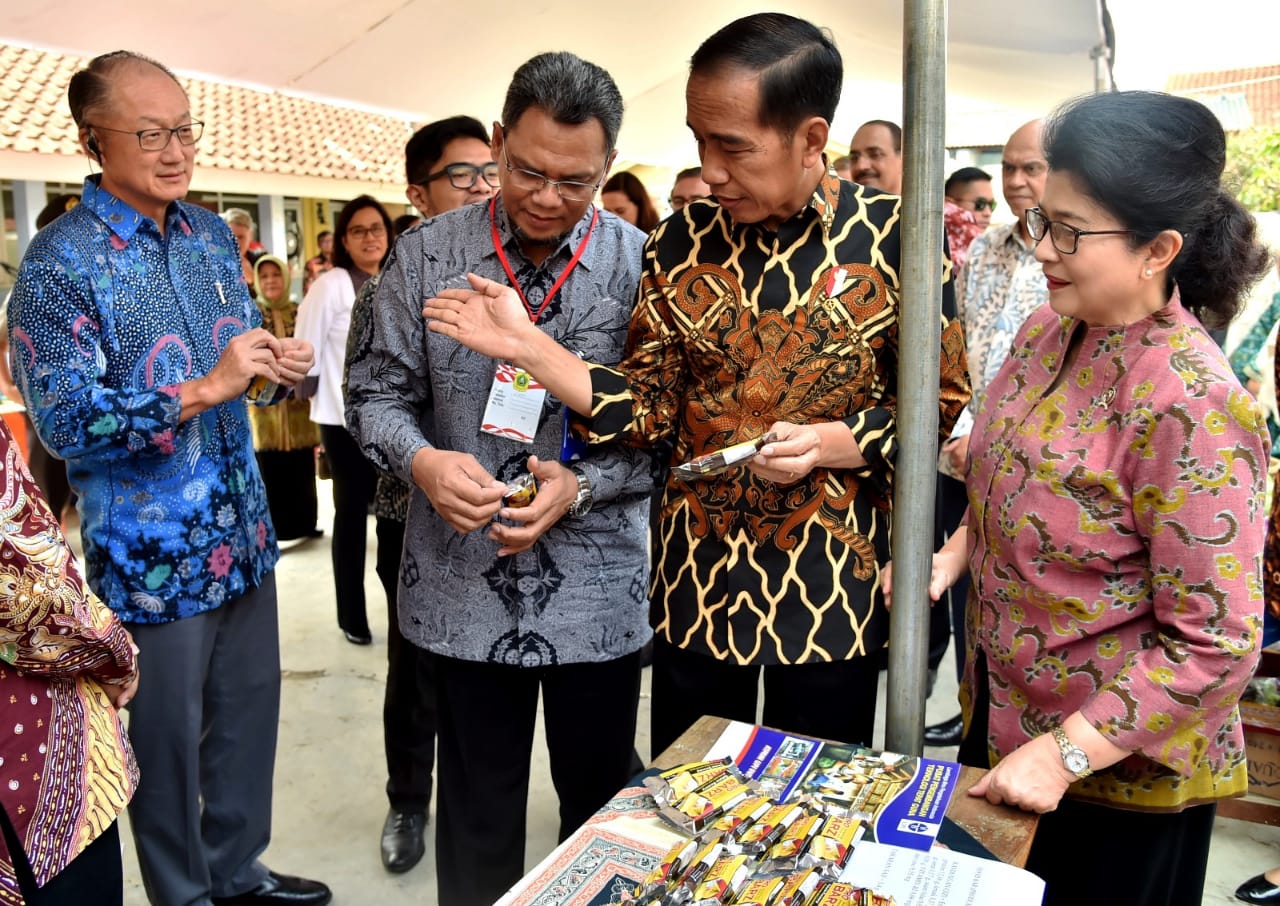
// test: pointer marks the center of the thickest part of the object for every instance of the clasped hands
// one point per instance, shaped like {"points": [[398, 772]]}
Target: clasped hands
{"points": [[259, 353], [467, 497]]}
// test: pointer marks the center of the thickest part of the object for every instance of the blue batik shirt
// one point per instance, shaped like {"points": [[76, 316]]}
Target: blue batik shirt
{"points": [[106, 320]]}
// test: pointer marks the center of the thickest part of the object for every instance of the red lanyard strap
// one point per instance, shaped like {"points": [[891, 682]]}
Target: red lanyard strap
{"points": [[506, 264]]}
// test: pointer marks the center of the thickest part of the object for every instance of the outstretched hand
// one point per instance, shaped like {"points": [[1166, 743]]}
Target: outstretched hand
{"points": [[488, 318]]}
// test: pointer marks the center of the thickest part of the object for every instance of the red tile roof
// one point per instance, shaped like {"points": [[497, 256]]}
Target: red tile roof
{"points": [[1260, 86], [246, 130]]}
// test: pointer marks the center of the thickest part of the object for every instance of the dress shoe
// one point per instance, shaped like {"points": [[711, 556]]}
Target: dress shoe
{"points": [[356, 638], [402, 845], [280, 890], [947, 733], [1258, 890]]}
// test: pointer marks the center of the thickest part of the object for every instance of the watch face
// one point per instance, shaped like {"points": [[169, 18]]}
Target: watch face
{"points": [[1076, 761]]}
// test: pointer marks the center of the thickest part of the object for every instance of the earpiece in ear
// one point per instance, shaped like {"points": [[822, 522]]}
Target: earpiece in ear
{"points": [[92, 145]]}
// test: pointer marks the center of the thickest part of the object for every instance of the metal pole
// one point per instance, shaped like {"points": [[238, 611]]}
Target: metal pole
{"points": [[924, 108]]}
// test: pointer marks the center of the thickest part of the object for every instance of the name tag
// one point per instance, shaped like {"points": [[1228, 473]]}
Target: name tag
{"points": [[515, 405]]}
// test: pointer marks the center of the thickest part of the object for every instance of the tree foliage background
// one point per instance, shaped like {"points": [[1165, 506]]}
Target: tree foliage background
{"points": [[1253, 168]]}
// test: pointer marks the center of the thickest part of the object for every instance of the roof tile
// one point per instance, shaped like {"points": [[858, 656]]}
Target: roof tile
{"points": [[245, 129], [1260, 86]]}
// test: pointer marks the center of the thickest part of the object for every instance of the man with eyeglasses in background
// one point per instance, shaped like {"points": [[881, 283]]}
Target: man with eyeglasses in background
{"points": [[448, 164], [1000, 286], [515, 600], [136, 341], [688, 188]]}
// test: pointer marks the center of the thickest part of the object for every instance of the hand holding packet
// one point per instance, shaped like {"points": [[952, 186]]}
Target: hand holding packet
{"points": [[723, 459]]}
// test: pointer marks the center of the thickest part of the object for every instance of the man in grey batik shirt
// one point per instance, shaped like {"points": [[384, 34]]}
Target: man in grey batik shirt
{"points": [[549, 598]]}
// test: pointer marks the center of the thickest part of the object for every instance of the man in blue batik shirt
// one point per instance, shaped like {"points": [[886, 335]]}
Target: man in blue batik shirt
{"points": [[135, 342]]}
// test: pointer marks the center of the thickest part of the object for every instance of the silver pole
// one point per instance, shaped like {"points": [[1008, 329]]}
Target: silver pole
{"points": [[924, 108]]}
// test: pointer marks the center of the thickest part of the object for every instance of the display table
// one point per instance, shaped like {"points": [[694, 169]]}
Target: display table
{"points": [[1005, 831], [603, 859]]}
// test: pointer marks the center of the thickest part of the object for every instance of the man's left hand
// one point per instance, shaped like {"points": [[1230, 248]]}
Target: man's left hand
{"points": [[557, 488], [295, 360], [1032, 777]]}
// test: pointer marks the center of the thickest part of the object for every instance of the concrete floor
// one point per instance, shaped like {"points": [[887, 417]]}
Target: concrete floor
{"points": [[329, 800]]}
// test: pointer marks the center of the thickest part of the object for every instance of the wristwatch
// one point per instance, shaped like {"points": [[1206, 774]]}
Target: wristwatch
{"points": [[582, 503], [1073, 756]]}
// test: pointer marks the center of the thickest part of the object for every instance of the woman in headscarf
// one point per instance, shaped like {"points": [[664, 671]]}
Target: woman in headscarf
{"points": [[284, 436]]}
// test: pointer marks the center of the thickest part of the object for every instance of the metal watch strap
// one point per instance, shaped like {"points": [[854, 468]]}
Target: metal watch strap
{"points": [[584, 501], [1071, 752]]}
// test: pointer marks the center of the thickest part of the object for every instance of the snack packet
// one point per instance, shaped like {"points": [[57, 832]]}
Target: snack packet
{"points": [[723, 882], [770, 828], [700, 808]]}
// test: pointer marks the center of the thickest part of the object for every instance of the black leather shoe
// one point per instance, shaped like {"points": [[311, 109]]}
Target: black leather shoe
{"points": [[947, 733], [356, 638], [280, 890], [1258, 890], [402, 846]]}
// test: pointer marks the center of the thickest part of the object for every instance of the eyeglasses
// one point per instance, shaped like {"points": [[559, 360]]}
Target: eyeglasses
{"points": [[158, 139], [358, 232], [1065, 238], [464, 176], [679, 201], [984, 204], [533, 181]]}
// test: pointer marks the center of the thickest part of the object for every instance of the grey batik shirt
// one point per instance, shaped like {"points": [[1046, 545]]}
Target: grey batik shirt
{"points": [[580, 593]]}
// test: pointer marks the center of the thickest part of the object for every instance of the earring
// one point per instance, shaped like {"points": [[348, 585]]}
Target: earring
{"points": [[1147, 272]]}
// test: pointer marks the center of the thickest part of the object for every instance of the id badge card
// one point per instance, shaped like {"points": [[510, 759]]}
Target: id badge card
{"points": [[515, 404]]}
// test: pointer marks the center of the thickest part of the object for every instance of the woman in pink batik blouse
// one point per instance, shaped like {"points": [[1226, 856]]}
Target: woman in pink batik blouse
{"points": [[1114, 537]]}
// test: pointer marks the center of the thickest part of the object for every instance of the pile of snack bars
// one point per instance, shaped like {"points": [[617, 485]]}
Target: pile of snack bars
{"points": [[746, 848]]}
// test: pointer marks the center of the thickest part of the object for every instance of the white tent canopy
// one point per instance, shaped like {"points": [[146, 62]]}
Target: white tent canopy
{"points": [[426, 59]]}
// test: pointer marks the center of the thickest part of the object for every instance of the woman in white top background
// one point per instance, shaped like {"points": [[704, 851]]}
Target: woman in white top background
{"points": [[362, 240]]}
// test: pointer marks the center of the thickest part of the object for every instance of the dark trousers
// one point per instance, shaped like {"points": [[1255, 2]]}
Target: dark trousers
{"points": [[354, 482], [409, 706], [487, 714], [203, 728], [290, 479], [835, 700], [95, 877], [1165, 853], [946, 617], [49, 472]]}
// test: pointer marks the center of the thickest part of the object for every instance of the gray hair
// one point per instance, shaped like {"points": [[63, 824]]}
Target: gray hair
{"points": [[569, 89], [240, 216]]}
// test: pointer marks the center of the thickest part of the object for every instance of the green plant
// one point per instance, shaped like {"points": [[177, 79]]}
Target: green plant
{"points": [[1253, 168]]}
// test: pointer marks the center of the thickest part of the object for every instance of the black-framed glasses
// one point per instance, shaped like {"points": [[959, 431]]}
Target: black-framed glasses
{"points": [[533, 181], [984, 204], [1065, 238], [359, 232], [679, 201], [158, 139], [464, 176]]}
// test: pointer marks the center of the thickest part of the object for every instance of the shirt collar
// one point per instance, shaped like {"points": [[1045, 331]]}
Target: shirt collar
{"points": [[119, 216], [567, 246], [826, 197]]}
